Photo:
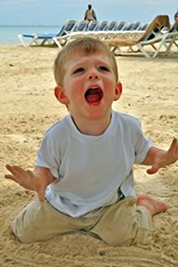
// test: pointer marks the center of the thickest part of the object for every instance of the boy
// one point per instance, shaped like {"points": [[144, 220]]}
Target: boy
{"points": [[83, 172]]}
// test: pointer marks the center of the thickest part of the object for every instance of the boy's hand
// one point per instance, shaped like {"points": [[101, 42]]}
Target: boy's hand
{"points": [[27, 179], [165, 158]]}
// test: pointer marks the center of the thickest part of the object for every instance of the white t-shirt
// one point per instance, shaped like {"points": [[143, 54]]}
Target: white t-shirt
{"points": [[89, 170]]}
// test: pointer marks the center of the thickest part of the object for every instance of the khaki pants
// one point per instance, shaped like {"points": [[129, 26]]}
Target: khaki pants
{"points": [[120, 224]]}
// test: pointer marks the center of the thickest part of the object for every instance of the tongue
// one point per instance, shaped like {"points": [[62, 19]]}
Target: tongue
{"points": [[93, 98]]}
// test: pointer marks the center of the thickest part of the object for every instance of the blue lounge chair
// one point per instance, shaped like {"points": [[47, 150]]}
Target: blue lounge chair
{"points": [[136, 25], [107, 31], [142, 27], [99, 30], [42, 38], [110, 26], [92, 25], [80, 26], [78, 30], [129, 30], [128, 26], [101, 25], [119, 25]]}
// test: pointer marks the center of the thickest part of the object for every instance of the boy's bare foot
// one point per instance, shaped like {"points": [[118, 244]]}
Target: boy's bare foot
{"points": [[152, 205]]}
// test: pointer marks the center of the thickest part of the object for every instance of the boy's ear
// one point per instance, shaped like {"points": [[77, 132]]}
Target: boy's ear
{"points": [[118, 91], [60, 95]]}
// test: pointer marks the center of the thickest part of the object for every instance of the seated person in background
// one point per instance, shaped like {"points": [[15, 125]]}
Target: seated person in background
{"points": [[83, 174], [90, 14]]}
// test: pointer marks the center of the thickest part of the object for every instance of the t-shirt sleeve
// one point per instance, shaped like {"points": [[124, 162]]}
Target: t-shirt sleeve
{"points": [[142, 145], [48, 156]]}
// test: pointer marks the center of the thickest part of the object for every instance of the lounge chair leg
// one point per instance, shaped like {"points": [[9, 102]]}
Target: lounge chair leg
{"points": [[143, 51], [21, 40], [57, 42]]}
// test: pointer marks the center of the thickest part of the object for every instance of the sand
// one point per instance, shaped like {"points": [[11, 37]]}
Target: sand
{"points": [[28, 107]]}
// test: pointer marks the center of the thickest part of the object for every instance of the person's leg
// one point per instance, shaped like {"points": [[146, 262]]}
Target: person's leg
{"points": [[147, 205], [151, 205], [40, 221], [121, 224], [127, 222]]}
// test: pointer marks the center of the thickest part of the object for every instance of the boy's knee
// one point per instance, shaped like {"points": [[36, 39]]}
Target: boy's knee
{"points": [[25, 225], [124, 225], [125, 236], [22, 234]]}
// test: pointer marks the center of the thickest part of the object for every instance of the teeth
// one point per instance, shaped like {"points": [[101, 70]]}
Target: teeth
{"points": [[93, 88]]}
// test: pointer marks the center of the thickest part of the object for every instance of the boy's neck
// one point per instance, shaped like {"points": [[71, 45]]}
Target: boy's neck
{"points": [[94, 128]]}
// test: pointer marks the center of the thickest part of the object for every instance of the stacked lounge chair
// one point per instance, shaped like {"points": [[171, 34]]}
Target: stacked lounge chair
{"points": [[43, 38], [169, 41], [78, 30], [117, 35], [151, 36]]}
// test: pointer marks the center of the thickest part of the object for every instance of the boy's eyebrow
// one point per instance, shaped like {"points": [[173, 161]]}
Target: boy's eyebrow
{"points": [[82, 65], [98, 61]]}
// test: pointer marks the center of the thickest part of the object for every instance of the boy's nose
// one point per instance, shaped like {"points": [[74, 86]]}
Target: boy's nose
{"points": [[92, 76]]}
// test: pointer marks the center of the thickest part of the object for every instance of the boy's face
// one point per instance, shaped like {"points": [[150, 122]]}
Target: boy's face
{"points": [[89, 86]]}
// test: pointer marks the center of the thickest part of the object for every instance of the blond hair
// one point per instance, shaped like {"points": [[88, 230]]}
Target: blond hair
{"points": [[86, 46]]}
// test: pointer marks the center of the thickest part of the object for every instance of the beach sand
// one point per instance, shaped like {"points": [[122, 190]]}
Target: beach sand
{"points": [[28, 107]]}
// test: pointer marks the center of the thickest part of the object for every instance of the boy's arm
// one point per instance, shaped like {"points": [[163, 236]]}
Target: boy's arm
{"points": [[159, 158], [38, 180], [45, 178]]}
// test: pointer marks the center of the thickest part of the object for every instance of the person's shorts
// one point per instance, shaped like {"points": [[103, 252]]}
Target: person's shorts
{"points": [[120, 224]]}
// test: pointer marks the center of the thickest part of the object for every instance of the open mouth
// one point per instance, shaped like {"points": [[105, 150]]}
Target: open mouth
{"points": [[93, 95]]}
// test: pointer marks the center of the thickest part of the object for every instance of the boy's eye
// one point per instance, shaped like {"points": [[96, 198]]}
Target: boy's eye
{"points": [[79, 70], [103, 68]]}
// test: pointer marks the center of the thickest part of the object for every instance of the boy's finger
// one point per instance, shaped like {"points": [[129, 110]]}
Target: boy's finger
{"points": [[41, 193], [177, 149], [15, 170], [9, 168], [176, 146], [41, 197], [12, 177], [173, 146], [18, 169], [153, 170], [9, 176]]}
